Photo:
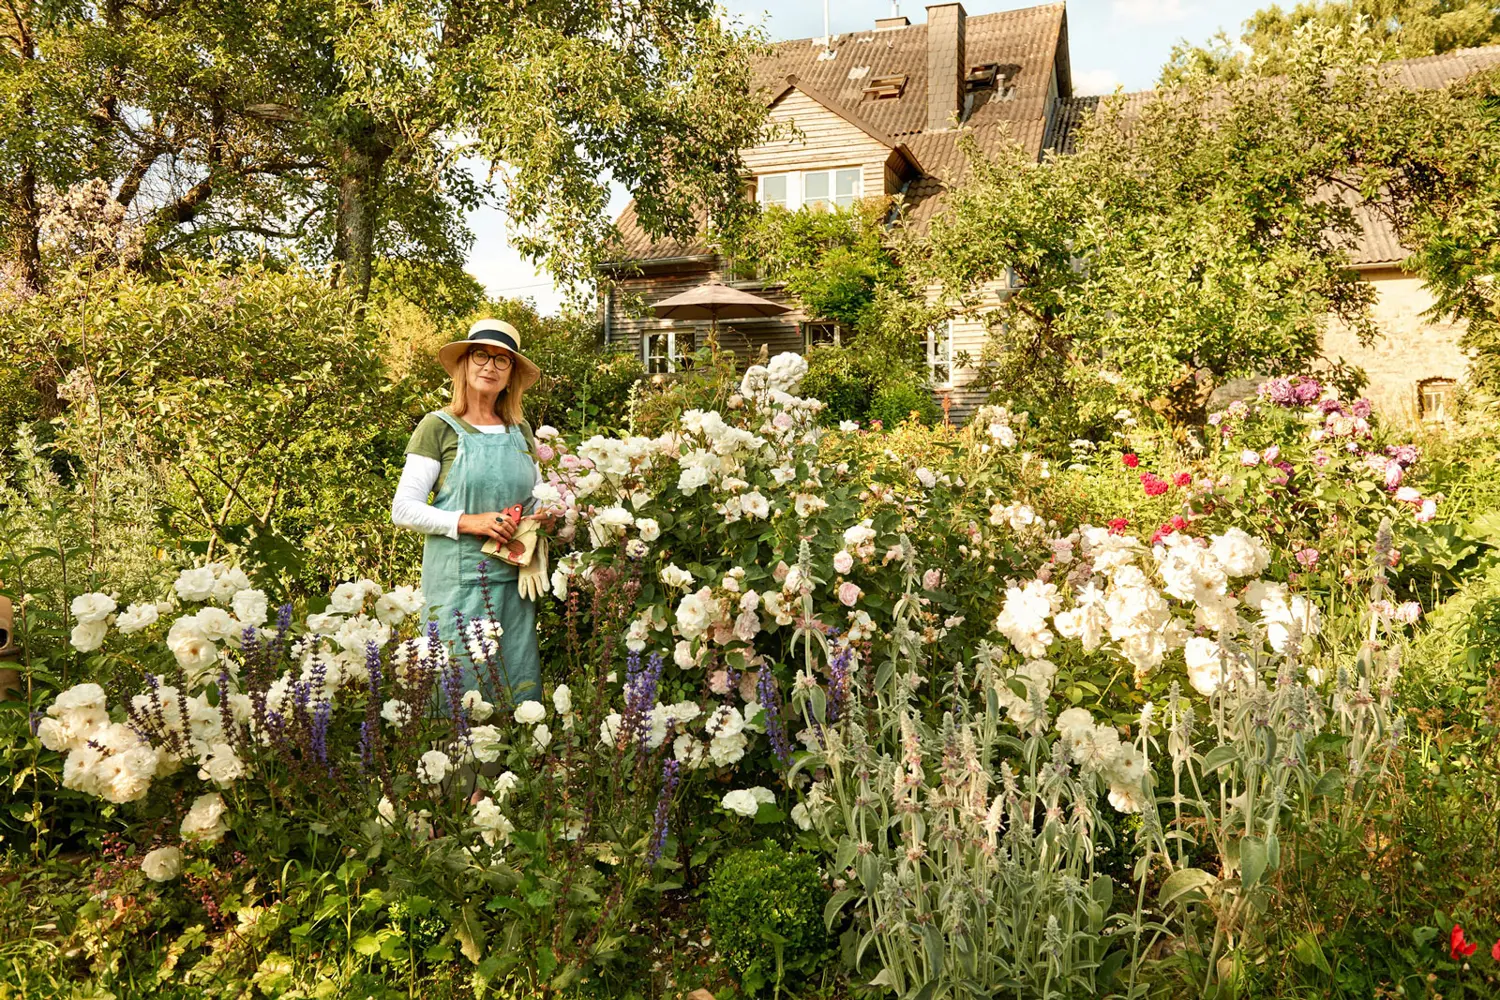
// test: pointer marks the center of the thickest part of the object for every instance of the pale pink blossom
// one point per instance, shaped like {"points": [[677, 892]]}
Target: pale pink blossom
{"points": [[849, 594]]}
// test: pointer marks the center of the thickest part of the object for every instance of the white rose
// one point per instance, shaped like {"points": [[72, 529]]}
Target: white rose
{"points": [[562, 699], [136, 618], [163, 864], [229, 583], [675, 576], [433, 767], [742, 802], [540, 737], [801, 816], [478, 708], [1240, 554], [89, 636], [205, 819], [529, 713], [649, 529], [484, 742], [90, 608], [195, 584]]}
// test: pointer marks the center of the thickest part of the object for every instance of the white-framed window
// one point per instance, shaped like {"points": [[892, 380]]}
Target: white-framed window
{"points": [[1435, 398], [940, 354], [822, 334], [667, 351], [839, 187]]}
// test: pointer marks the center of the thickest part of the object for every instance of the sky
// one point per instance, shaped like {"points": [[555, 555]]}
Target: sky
{"points": [[1113, 43]]}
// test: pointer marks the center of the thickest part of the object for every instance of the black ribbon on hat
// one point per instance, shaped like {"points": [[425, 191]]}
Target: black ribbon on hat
{"points": [[500, 337]]}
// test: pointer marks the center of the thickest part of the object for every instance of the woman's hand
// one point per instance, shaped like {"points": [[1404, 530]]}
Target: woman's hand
{"points": [[492, 525]]}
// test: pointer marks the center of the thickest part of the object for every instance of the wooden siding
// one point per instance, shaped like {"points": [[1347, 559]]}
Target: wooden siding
{"points": [[826, 140], [970, 332]]}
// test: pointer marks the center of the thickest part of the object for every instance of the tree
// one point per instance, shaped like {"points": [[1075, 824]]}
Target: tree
{"points": [[1402, 29], [1198, 242], [336, 130]]}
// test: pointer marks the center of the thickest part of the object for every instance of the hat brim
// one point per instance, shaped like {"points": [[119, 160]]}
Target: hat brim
{"points": [[523, 374]]}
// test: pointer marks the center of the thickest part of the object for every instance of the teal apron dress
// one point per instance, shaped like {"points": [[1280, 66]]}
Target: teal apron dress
{"points": [[490, 472]]}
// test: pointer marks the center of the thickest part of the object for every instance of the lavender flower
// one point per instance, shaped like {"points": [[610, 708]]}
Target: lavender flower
{"points": [[838, 682], [669, 778], [765, 690]]}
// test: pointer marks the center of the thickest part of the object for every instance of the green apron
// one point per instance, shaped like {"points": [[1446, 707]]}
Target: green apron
{"points": [[490, 472]]}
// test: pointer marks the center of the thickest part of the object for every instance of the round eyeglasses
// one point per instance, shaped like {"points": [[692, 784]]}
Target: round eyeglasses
{"points": [[481, 358]]}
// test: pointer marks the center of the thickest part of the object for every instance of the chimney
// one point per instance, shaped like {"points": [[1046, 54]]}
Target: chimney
{"points": [[945, 65], [891, 23]]}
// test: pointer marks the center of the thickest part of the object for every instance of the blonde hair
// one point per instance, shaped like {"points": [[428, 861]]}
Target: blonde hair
{"points": [[507, 403]]}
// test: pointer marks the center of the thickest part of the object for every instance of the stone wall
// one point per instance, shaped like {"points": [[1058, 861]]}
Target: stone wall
{"points": [[1410, 350]]}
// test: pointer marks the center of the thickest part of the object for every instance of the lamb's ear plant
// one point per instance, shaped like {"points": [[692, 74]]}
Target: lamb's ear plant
{"points": [[966, 839]]}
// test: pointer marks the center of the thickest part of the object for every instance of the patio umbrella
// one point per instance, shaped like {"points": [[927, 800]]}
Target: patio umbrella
{"points": [[714, 301]]}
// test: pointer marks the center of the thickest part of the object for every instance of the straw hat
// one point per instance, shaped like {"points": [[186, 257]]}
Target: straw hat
{"points": [[493, 333]]}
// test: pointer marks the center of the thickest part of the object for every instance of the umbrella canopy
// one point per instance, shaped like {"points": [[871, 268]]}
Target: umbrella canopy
{"points": [[715, 302]]}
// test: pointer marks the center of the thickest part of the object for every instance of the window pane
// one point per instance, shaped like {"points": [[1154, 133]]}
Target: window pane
{"points": [[820, 334], [682, 350], [656, 353], [940, 355], [773, 190], [815, 188], [847, 187]]}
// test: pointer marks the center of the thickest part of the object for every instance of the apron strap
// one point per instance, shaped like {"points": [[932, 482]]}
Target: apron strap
{"points": [[450, 420]]}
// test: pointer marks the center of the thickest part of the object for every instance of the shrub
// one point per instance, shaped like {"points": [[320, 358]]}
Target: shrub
{"points": [[897, 401], [765, 911]]}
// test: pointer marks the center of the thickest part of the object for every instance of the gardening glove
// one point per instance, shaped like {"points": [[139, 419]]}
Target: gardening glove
{"points": [[533, 580]]}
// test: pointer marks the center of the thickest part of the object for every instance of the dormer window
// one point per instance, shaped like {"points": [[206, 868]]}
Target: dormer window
{"points": [[839, 187], [985, 76]]}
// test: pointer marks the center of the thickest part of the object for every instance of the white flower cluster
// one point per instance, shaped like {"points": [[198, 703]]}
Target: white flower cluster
{"points": [[1122, 604], [746, 802]]}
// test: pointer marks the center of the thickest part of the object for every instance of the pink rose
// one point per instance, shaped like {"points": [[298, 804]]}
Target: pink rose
{"points": [[1392, 474], [1249, 458], [1428, 511], [932, 579], [1271, 454], [779, 573], [1308, 558], [718, 682], [849, 594], [843, 562], [544, 453]]}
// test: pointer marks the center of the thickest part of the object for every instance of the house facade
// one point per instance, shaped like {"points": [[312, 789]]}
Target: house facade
{"points": [[880, 112]]}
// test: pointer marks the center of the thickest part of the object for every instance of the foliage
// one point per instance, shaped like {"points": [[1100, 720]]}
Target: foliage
{"points": [[205, 378], [1402, 29], [855, 384], [325, 129], [765, 910], [1187, 245]]}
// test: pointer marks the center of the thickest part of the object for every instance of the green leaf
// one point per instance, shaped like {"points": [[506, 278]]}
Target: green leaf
{"points": [[835, 903], [367, 945], [1219, 756], [1182, 883], [1252, 860], [546, 962], [1308, 951], [469, 931]]}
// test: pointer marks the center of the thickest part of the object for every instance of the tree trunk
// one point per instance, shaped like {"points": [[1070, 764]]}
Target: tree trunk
{"points": [[361, 163], [28, 246]]}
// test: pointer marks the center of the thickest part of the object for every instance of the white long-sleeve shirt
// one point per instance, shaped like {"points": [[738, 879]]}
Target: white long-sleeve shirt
{"points": [[410, 509]]}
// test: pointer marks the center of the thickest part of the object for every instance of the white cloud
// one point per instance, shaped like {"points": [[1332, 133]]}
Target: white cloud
{"points": [[1095, 81], [1150, 11]]}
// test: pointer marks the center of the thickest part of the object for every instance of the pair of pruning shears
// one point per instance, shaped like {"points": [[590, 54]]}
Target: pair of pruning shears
{"points": [[511, 514]]}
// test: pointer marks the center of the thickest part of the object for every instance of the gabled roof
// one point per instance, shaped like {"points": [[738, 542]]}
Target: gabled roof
{"points": [[1023, 43]]}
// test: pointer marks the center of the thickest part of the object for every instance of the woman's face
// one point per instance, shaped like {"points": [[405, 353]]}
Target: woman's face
{"points": [[489, 369]]}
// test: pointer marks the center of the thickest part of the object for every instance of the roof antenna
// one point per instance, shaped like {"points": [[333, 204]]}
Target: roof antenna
{"points": [[895, 8], [827, 38]]}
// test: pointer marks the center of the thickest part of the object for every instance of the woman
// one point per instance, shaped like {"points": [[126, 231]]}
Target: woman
{"points": [[477, 456]]}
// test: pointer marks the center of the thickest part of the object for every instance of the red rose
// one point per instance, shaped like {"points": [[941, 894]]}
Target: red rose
{"points": [[1130, 460]]}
